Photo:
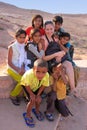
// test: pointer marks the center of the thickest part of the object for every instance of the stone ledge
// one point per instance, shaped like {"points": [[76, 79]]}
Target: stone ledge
{"points": [[7, 83]]}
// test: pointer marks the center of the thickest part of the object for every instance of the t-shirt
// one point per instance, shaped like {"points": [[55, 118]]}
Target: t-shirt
{"points": [[60, 89], [29, 79], [28, 30], [67, 45]]}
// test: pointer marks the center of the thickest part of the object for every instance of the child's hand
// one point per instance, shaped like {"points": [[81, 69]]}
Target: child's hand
{"points": [[21, 71], [38, 98]]}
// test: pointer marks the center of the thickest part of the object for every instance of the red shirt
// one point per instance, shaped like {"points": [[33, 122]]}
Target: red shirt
{"points": [[28, 30]]}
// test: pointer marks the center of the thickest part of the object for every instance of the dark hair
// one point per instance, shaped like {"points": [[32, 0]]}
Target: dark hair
{"points": [[19, 32], [33, 32], [41, 63], [64, 34], [35, 17], [48, 22], [58, 19]]}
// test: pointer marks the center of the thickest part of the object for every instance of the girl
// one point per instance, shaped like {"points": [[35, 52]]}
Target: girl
{"points": [[16, 62], [34, 49], [37, 23]]}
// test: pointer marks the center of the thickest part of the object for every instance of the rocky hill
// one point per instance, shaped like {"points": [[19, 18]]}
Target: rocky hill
{"points": [[13, 18]]}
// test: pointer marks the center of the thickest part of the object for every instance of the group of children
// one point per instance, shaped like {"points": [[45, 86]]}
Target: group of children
{"points": [[41, 58]]}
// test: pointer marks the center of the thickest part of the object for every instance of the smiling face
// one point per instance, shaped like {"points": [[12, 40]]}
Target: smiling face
{"points": [[49, 30], [37, 23], [64, 40], [40, 72], [36, 37]]}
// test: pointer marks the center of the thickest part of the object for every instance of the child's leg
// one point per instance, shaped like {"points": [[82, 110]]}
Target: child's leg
{"points": [[29, 108], [50, 102], [14, 75], [37, 103], [17, 90], [36, 111]]}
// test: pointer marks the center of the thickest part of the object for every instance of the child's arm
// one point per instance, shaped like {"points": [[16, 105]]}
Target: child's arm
{"points": [[40, 90], [59, 54], [35, 52], [63, 48], [32, 95]]}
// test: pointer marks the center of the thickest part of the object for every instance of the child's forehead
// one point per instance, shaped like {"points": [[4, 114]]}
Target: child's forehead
{"points": [[57, 23], [40, 68]]}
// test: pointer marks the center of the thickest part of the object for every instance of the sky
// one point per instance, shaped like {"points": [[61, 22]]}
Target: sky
{"points": [[52, 6]]}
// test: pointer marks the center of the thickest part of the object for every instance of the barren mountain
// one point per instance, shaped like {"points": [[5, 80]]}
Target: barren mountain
{"points": [[13, 18]]}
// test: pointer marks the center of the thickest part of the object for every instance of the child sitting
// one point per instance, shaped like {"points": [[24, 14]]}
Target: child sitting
{"points": [[34, 48], [34, 82], [16, 63]]}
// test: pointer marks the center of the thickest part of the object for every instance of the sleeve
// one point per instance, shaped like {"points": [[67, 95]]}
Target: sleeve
{"points": [[67, 45], [33, 49]]}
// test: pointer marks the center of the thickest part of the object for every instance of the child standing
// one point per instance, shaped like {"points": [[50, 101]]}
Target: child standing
{"points": [[37, 23], [16, 62], [34, 82]]}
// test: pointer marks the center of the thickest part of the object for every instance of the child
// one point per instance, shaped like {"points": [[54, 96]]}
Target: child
{"points": [[57, 96], [16, 62], [64, 39], [34, 48], [64, 43], [37, 23], [34, 82], [58, 21]]}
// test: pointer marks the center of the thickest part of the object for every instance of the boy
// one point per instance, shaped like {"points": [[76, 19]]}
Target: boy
{"points": [[64, 43], [34, 82], [57, 95], [58, 22]]}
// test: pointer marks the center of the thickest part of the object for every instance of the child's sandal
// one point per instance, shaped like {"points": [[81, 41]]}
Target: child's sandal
{"points": [[39, 115], [49, 116], [29, 121]]}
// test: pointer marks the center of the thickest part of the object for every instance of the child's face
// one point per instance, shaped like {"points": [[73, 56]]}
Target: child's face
{"points": [[36, 37], [49, 30], [55, 73], [21, 38], [64, 40], [57, 26], [40, 72], [37, 23]]}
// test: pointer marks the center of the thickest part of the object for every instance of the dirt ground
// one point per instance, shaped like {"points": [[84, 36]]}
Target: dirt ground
{"points": [[78, 121]]}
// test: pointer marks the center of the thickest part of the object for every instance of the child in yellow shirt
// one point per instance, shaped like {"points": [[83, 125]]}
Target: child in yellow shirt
{"points": [[34, 82], [57, 96]]}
